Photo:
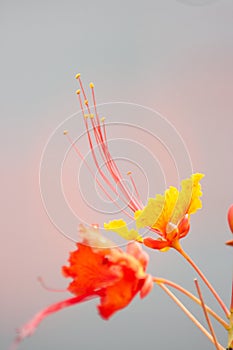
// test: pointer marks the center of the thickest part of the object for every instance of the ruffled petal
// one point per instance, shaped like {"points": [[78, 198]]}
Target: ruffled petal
{"points": [[135, 250], [189, 198], [120, 227], [120, 294], [150, 214], [169, 209], [90, 270]]}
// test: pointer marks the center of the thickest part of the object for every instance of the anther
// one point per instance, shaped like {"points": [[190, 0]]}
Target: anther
{"points": [[91, 85], [65, 132], [77, 76], [78, 92]]}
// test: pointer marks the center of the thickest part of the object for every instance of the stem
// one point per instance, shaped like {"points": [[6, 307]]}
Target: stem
{"points": [[230, 332], [206, 314], [196, 268], [231, 307], [192, 297], [189, 314]]}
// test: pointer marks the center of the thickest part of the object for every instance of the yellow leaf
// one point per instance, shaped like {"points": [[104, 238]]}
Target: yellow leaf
{"points": [[120, 227]]}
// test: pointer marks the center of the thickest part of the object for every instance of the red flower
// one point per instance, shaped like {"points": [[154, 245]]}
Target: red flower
{"points": [[99, 270], [112, 274]]}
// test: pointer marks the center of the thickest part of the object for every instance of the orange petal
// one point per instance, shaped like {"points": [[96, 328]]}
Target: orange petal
{"points": [[147, 286], [120, 294], [155, 243], [136, 251], [184, 226], [90, 270]]}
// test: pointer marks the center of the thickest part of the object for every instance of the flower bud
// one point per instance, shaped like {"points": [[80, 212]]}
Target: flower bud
{"points": [[230, 217]]}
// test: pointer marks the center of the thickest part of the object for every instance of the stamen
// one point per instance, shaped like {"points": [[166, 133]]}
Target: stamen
{"points": [[77, 151], [94, 103], [104, 129], [134, 186], [92, 149], [132, 202], [101, 148]]}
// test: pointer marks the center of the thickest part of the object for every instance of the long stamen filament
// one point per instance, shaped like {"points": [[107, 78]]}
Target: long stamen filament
{"points": [[77, 151], [92, 149], [135, 187], [133, 203]]}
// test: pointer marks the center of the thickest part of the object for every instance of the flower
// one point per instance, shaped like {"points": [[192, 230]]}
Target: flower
{"points": [[167, 215], [98, 269], [112, 274]]}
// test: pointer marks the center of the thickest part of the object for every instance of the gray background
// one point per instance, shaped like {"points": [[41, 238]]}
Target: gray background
{"points": [[173, 56]]}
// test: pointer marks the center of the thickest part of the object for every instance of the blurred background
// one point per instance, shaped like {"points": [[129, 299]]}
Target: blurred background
{"points": [[172, 56]]}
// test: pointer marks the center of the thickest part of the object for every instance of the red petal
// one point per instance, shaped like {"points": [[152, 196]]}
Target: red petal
{"points": [[134, 249], [30, 327], [120, 294], [184, 226], [147, 286], [155, 244], [90, 270]]}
